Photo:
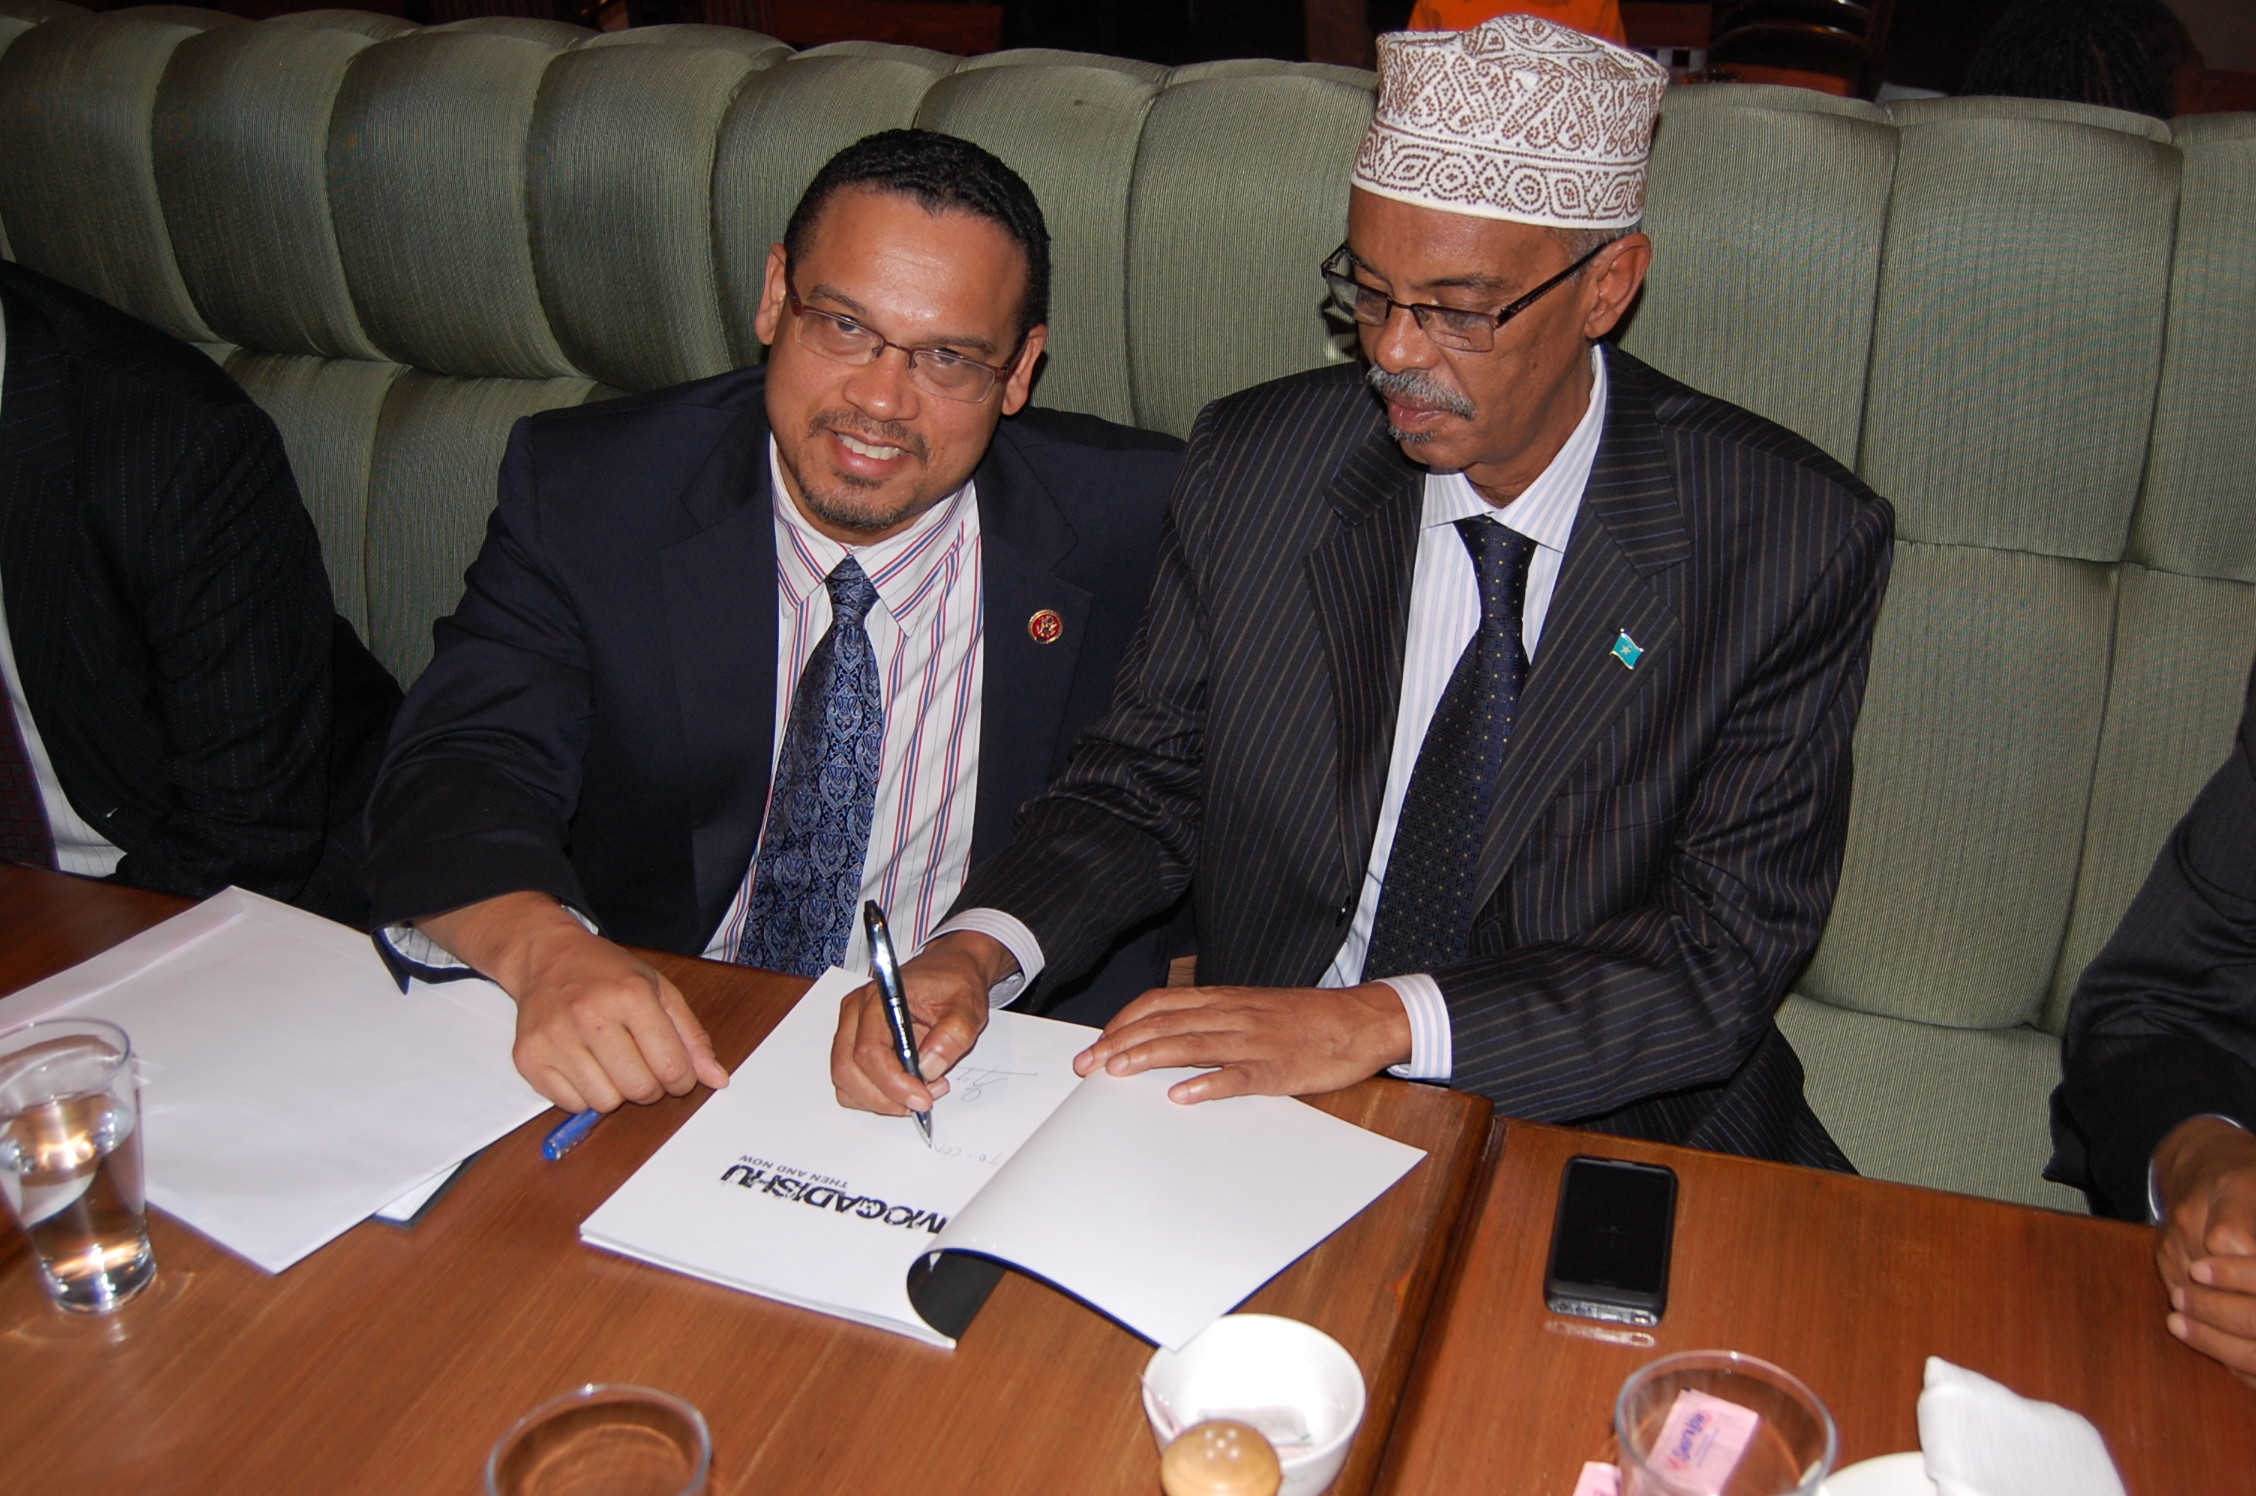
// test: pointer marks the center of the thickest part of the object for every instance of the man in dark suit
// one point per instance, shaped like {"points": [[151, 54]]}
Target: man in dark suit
{"points": [[2155, 1116], [184, 709], [1526, 688], [741, 654]]}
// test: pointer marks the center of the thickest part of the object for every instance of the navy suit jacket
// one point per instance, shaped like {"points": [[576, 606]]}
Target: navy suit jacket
{"points": [[598, 721]]}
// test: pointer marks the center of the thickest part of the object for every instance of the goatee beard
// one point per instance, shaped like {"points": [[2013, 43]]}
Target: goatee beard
{"points": [[833, 505], [830, 511]]}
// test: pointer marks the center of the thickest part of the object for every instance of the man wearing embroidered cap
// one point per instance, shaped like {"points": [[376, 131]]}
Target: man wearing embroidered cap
{"points": [[1495, 697]]}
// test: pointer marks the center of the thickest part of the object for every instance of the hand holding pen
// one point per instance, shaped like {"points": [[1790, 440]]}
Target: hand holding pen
{"points": [[885, 969], [946, 986]]}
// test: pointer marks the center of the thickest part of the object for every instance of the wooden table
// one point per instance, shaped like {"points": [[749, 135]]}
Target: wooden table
{"points": [[389, 1361], [1849, 1283]]}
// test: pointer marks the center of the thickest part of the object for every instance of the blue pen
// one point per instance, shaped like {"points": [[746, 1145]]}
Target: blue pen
{"points": [[566, 1135]]}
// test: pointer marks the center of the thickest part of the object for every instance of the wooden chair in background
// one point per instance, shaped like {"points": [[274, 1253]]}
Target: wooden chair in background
{"points": [[1831, 45], [942, 25]]}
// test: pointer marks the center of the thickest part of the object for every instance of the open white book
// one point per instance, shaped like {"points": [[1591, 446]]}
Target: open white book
{"points": [[1163, 1216]]}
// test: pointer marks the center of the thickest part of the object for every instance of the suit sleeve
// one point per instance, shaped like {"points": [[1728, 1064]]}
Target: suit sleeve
{"points": [[1679, 992], [234, 606], [2163, 1024], [1113, 841], [482, 773]]}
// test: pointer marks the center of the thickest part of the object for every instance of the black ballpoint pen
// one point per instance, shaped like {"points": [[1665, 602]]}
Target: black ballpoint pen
{"points": [[886, 968]]}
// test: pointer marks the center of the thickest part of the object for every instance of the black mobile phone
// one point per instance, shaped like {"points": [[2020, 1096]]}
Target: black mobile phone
{"points": [[1610, 1241]]}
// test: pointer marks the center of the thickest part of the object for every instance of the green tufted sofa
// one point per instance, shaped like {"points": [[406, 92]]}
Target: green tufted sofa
{"points": [[2031, 325]]}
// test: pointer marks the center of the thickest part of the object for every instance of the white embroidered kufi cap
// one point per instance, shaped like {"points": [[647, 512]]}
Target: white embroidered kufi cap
{"points": [[1518, 118]]}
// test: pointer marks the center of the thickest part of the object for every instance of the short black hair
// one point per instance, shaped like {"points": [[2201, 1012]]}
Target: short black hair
{"points": [[943, 173], [2120, 53]]}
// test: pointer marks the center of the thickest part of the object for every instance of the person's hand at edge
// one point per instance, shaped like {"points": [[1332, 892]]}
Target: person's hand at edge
{"points": [[596, 1024], [2207, 1252], [1256, 1041], [947, 984]]}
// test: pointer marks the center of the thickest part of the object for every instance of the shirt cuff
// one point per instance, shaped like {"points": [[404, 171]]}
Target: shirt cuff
{"points": [[409, 954], [2154, 1185], [1015, 938], [1430, 1054]]}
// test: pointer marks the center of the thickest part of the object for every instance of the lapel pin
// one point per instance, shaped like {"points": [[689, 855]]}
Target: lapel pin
{"points": [[1626, 651], [1045, 627]]}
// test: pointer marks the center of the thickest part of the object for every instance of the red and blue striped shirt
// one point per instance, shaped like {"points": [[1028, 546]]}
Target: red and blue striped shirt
{"points": [[927, 633]]}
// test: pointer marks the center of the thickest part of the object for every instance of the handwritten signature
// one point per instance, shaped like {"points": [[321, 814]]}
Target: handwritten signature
{"points": [[971, 1082]]}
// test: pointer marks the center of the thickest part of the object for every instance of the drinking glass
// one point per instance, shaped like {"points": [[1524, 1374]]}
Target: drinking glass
{"points": [[604, 1441], [1680, 1419], [70, 1159]]}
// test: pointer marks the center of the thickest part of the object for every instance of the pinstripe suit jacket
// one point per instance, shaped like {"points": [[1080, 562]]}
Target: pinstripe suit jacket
{"points": [[1663, 850], [206, 709]]}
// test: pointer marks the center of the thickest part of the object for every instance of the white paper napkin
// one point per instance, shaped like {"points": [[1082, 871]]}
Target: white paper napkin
{"points": [[1983, 1439]]}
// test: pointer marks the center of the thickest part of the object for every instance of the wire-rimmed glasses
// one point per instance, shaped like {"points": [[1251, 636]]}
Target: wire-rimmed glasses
{"points": [[1460, 328], [937, 371]]}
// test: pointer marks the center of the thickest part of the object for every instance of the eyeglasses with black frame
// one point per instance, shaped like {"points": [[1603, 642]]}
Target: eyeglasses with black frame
{"points": [[1449, 326], [936, 371]]}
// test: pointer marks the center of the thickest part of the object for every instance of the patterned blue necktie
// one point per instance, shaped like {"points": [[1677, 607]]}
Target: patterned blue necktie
{"points": [[1425, 907], [807, 879]]}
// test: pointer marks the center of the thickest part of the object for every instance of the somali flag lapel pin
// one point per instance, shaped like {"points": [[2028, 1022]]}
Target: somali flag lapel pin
{"points": [[1626, 651]]}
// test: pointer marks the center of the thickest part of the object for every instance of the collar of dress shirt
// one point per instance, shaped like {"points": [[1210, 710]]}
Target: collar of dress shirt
{"points": [[1545, 512], [907, 569]]}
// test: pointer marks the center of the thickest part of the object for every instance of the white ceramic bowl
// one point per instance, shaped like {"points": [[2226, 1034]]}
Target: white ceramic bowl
{"points": [[1261, 1364]]}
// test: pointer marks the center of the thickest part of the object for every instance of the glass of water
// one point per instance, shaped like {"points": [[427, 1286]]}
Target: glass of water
{"points": [[1718, 1423], [70, 1159], [598, 1440]]}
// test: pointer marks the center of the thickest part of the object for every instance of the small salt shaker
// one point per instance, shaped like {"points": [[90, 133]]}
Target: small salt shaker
{"points": [[1220, 1457]]}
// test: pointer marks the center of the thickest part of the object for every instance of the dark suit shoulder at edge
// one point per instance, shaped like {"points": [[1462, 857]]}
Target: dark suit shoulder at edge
{"points": [[94, 336]]}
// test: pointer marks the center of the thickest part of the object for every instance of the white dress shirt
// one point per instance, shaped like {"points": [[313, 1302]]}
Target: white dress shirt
{"points": [[927, 633], [79, 848], [1445, 612]]}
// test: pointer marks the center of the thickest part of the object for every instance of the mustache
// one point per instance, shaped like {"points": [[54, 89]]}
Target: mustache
{"points": [[1416, 387], [876, 433]]}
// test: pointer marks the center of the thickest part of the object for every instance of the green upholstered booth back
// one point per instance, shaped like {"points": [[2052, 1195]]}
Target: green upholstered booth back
{"points": [[2031, 325], [1772, 203]]}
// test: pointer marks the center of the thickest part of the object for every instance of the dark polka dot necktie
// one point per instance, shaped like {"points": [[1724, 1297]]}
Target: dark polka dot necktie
{"points": [[1425, 906], [807, 878]]}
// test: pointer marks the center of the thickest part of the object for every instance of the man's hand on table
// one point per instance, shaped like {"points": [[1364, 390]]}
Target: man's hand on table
{"points": [[596, 1024], [2206, 1170], [1258, 1041], [947, 984]]}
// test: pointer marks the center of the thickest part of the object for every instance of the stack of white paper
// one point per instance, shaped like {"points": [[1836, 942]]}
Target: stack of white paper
{"points": [[289, 1089]]}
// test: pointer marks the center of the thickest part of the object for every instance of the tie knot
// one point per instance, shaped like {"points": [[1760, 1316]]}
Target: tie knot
{"points": [[1500, 560], [851, 590]]}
